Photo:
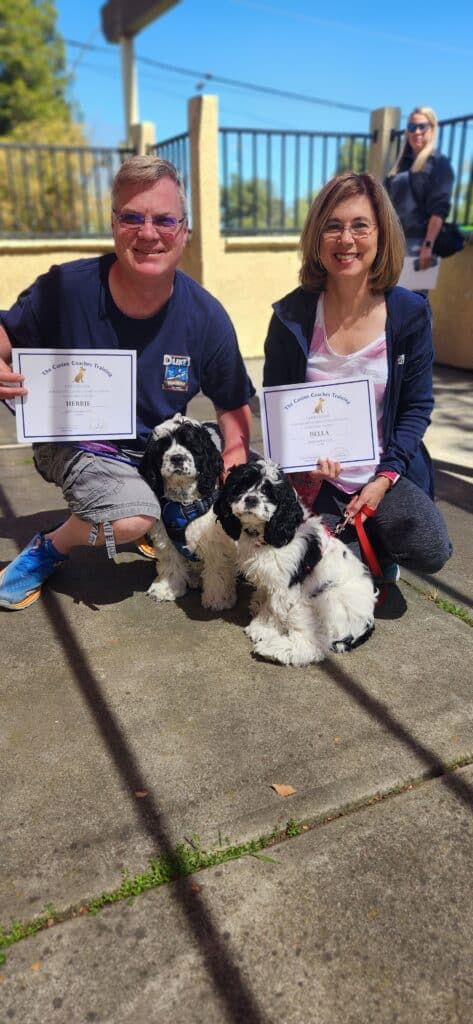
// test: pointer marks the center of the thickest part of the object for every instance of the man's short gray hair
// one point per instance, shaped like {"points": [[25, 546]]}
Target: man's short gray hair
{"points": [[146, 171]]}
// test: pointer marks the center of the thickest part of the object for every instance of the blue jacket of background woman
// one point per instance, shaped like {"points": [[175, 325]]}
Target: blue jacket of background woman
{"points": [[408, 399]]}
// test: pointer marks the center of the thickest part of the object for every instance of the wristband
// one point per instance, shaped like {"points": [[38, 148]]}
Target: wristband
{"points": [[427, 243], [390, 475]]}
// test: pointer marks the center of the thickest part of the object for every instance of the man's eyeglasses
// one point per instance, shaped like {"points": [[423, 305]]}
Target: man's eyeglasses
{"points": [[359, 228], [420, 126], [164, 223]]}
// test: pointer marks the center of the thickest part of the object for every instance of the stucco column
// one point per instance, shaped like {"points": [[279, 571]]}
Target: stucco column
{"points": [[381, 154], [205, 189], [142, 135]]}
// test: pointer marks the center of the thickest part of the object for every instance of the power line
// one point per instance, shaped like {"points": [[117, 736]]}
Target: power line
{"points": [[251, 86]]}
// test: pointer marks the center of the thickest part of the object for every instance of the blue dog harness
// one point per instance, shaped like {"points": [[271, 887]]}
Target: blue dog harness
{"points": [[176, 517]]}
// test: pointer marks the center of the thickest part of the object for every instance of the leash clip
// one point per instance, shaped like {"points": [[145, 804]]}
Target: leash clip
{"points": [[342, 524]]}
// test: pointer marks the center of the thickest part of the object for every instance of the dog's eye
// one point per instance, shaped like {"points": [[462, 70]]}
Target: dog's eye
{"points": [[268, 490]]}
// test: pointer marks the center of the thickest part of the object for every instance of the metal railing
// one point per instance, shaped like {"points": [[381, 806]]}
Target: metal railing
{"points": [[269, 178], [56, 191], [177, 151], [455, 140]]}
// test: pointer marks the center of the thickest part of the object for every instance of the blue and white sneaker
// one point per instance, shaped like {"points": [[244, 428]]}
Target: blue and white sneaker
{"points": [[391, 572], [20, 582]]}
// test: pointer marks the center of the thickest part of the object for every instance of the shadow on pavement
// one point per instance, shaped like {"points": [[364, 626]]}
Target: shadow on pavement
{"points": [[226, 975]]}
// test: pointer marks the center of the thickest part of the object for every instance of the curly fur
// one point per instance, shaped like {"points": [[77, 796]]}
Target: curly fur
{"points": [[183, 463], [311, 594]]}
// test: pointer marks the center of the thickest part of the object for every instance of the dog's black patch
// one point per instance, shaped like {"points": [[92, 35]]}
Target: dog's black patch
{"points": [[311, 558], [349, 644]]}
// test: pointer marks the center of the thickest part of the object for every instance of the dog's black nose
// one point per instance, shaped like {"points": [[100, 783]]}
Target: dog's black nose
{"points": [[251, 501], [177, 461]]}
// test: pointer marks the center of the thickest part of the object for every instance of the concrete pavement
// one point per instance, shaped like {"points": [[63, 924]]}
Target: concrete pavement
{"points": [[129, 729]]}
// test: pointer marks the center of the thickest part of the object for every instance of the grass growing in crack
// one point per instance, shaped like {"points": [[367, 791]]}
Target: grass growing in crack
{"points": [[293, 828], [451, 608], [184, 860]]}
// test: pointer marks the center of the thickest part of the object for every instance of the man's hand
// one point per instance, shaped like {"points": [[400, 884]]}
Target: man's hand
{"points": [[235, 425], [10, 383]]}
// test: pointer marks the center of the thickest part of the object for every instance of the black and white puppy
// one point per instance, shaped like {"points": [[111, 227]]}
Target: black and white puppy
{"points": [[183, 464], [312, 594]]}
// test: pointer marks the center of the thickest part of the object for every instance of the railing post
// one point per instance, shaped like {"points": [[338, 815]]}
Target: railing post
{"points": [[205, 190], [380, 157], [142, 135]]}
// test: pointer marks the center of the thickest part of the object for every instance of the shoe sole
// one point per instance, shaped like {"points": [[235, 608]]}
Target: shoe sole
{"points": [[25, 603], [146, 550]]}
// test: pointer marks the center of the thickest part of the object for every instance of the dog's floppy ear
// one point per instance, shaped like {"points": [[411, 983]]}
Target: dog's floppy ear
{"points": [[224, 514], [209, 463], [222, 507], [150, 465], [287, 517]]}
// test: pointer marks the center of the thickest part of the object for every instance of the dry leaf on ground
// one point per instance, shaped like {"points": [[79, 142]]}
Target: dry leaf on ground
{"points": [[283, 790]]}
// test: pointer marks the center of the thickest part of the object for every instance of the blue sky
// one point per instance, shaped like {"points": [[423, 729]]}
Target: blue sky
{"points": [[364, 55]]}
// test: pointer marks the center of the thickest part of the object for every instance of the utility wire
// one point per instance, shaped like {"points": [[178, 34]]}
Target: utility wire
{"points": [[209, 77]]}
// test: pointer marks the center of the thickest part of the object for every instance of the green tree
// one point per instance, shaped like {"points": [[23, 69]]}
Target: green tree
{"points": [[46, 184], [33, 82], [249, 204], [353, 156]]}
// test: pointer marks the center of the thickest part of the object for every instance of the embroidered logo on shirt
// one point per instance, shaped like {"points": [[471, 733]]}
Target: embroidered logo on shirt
{"points": [[401, 360], [176, 373]]}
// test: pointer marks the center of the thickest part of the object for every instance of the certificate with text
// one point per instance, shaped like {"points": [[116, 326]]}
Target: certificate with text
{"points": [[76, 395], [303, 423]]}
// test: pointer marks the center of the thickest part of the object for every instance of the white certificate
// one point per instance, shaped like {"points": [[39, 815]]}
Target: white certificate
{"points": [[78, 394], [418, 280], [303, 423]]}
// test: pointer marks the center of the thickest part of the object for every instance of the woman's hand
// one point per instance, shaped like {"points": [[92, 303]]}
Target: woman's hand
{"points": [[425, 257], [328, 469], [372, 495]]}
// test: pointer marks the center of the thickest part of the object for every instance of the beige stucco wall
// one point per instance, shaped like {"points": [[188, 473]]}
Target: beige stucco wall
{"points": [[452, 307], [248, 274], [244, 275]]}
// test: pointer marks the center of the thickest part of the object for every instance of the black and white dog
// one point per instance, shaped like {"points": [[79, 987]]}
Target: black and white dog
{"points": [[312, 594], [183, 465]]}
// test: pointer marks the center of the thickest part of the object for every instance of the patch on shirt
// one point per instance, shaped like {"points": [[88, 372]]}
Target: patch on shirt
{"points": [[176, 373]]}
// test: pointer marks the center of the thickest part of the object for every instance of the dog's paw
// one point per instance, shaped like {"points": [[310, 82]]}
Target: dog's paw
{"points": [[163, 590], [286, 653], [257, 630]]}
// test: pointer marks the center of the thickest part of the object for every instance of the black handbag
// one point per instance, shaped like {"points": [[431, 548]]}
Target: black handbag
{"points": [[449, 241]]}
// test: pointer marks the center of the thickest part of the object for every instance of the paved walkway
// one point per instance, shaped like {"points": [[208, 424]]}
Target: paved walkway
{"points": [[129, 729]]}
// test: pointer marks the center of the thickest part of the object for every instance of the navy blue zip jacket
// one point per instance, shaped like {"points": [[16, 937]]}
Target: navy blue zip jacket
{"points": [[408, 400]]}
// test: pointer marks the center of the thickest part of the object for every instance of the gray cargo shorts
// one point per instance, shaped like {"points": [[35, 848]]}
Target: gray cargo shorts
{"points": [[97, 489]]}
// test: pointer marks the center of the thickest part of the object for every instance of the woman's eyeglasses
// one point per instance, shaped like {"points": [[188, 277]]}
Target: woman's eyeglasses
{"points": [[359, 228], [422, 126], [164, 223]]}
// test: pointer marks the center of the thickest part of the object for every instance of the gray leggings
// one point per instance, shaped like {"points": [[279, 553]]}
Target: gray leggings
{"points": [[407, 528]]}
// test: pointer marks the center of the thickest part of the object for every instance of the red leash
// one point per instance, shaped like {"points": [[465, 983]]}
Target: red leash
{"points": [[367, 548]]}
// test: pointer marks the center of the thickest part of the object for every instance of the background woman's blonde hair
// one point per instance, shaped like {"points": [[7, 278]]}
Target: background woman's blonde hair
{"points": [[425, 152], [391, 249], [145, 171]]}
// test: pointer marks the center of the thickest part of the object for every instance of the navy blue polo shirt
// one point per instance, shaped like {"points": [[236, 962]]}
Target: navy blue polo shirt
{"points": [[190, 345]]}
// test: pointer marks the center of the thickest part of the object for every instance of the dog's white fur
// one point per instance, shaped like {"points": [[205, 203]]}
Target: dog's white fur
{"points": [[312, 594], [183, 463]]}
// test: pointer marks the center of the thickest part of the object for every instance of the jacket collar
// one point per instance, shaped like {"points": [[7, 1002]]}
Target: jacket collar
{"points": [[297, 312]]}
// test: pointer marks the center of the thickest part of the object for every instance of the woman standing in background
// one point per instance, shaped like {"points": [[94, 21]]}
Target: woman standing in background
{"points": [[420, 185]]}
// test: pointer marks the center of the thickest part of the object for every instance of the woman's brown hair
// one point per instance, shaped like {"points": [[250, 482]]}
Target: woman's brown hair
{"points": [[391, 250]]}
